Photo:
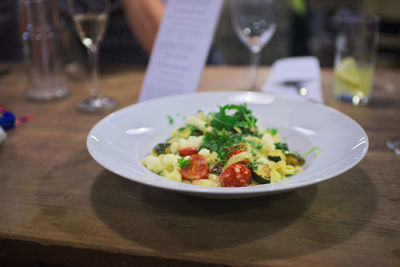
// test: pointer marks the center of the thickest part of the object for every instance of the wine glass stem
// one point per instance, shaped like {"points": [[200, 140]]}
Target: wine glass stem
{"points": [[255, 60], [94, 70]]}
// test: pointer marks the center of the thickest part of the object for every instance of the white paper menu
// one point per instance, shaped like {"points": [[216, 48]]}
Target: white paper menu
{"points": [[181, 48]]}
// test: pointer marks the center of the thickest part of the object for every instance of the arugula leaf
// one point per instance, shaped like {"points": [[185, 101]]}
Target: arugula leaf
{"points": [[242, 118]]}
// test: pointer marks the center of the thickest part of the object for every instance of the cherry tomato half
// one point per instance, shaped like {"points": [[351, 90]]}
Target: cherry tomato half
{"points": [[236, 175], [197, 169], [235, 152], [187, 151]]}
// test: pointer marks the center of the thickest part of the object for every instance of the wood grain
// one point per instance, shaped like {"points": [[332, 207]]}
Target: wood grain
{"points": [[58, 206]]}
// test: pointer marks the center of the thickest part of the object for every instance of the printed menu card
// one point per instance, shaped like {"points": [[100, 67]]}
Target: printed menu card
{"points": [[181, 48]]}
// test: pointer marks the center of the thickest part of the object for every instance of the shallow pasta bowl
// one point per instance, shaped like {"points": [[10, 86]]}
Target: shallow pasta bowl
{"points": [[122, 139]]}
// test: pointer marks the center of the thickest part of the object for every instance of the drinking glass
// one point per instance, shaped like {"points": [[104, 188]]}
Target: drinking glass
{"points": [[356, 44], [254, 23], [90, 18]]}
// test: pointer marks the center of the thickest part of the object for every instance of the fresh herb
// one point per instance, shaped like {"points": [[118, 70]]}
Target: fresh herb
{"points": [[191, 127], [170, 119], [316, 149], [273, 131], [282, 146], [254, 165], [193, 130], [221, 142], [182, 162], [250, 142], [242, 118]]}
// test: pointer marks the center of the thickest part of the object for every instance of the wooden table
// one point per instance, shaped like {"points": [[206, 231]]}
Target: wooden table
{"points": [[58, 206]]}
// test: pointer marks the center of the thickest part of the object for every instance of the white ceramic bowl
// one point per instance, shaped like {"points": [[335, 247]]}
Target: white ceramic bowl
{"points": [[122, 139]]}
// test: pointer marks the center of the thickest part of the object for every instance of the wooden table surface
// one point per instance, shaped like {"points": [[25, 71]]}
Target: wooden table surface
{"points": [[58, 206]]}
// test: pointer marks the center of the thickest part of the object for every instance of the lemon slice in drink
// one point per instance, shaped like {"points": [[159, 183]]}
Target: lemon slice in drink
{"points": [[347, 72]]}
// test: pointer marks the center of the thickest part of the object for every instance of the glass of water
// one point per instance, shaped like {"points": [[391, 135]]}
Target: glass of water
{"points": [[254, 23], [90, 19]]}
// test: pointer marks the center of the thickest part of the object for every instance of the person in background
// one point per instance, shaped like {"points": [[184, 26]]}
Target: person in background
{"points": [[144, 18], [10, 47]]}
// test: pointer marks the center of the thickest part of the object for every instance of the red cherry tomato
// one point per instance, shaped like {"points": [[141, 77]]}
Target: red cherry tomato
{"points": [[235, 152], [197, 169], [236, 175], [187, 151]]}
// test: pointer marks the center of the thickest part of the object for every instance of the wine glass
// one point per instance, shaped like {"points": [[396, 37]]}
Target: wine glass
{"points": [[90, 18], [254, 23]]}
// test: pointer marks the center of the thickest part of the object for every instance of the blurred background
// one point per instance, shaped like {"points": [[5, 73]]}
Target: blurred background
{"points": [[304, 28]]}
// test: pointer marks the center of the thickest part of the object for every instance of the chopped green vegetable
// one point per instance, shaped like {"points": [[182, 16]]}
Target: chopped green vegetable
{"points": [[220, 142], [316, 149], [273, 131], [193, 130], [160, 148], [274, 158], [254, 165], [191, 127], [170, 119], [282, 146], [182, 162], [294, 158]]}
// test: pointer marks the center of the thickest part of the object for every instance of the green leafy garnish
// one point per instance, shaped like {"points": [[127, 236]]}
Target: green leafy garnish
{"points": [[182, 162], [193, 130], [242, 118], [254, 165], [170, 119], [273, 131], [221, 142], [316, 149], [230, 125]]}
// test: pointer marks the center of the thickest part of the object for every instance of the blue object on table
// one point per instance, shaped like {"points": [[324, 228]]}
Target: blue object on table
{"points": [[7, 120]]}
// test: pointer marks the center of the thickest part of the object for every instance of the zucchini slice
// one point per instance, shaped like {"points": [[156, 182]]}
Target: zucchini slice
{"points": [[276, 155], [262, 174], [160, 148], [294, 159], [274, 158]]}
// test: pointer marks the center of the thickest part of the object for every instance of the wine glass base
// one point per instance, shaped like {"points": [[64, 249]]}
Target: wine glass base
{"points": [[97, 104]]}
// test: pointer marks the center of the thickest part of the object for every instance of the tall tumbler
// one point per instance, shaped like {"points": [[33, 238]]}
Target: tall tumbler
{"points": [[356, 45], [42, 51]]}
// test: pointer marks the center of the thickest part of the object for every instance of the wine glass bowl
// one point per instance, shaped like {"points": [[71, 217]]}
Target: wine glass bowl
{"points": [[90, 19], [254, 23]]}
